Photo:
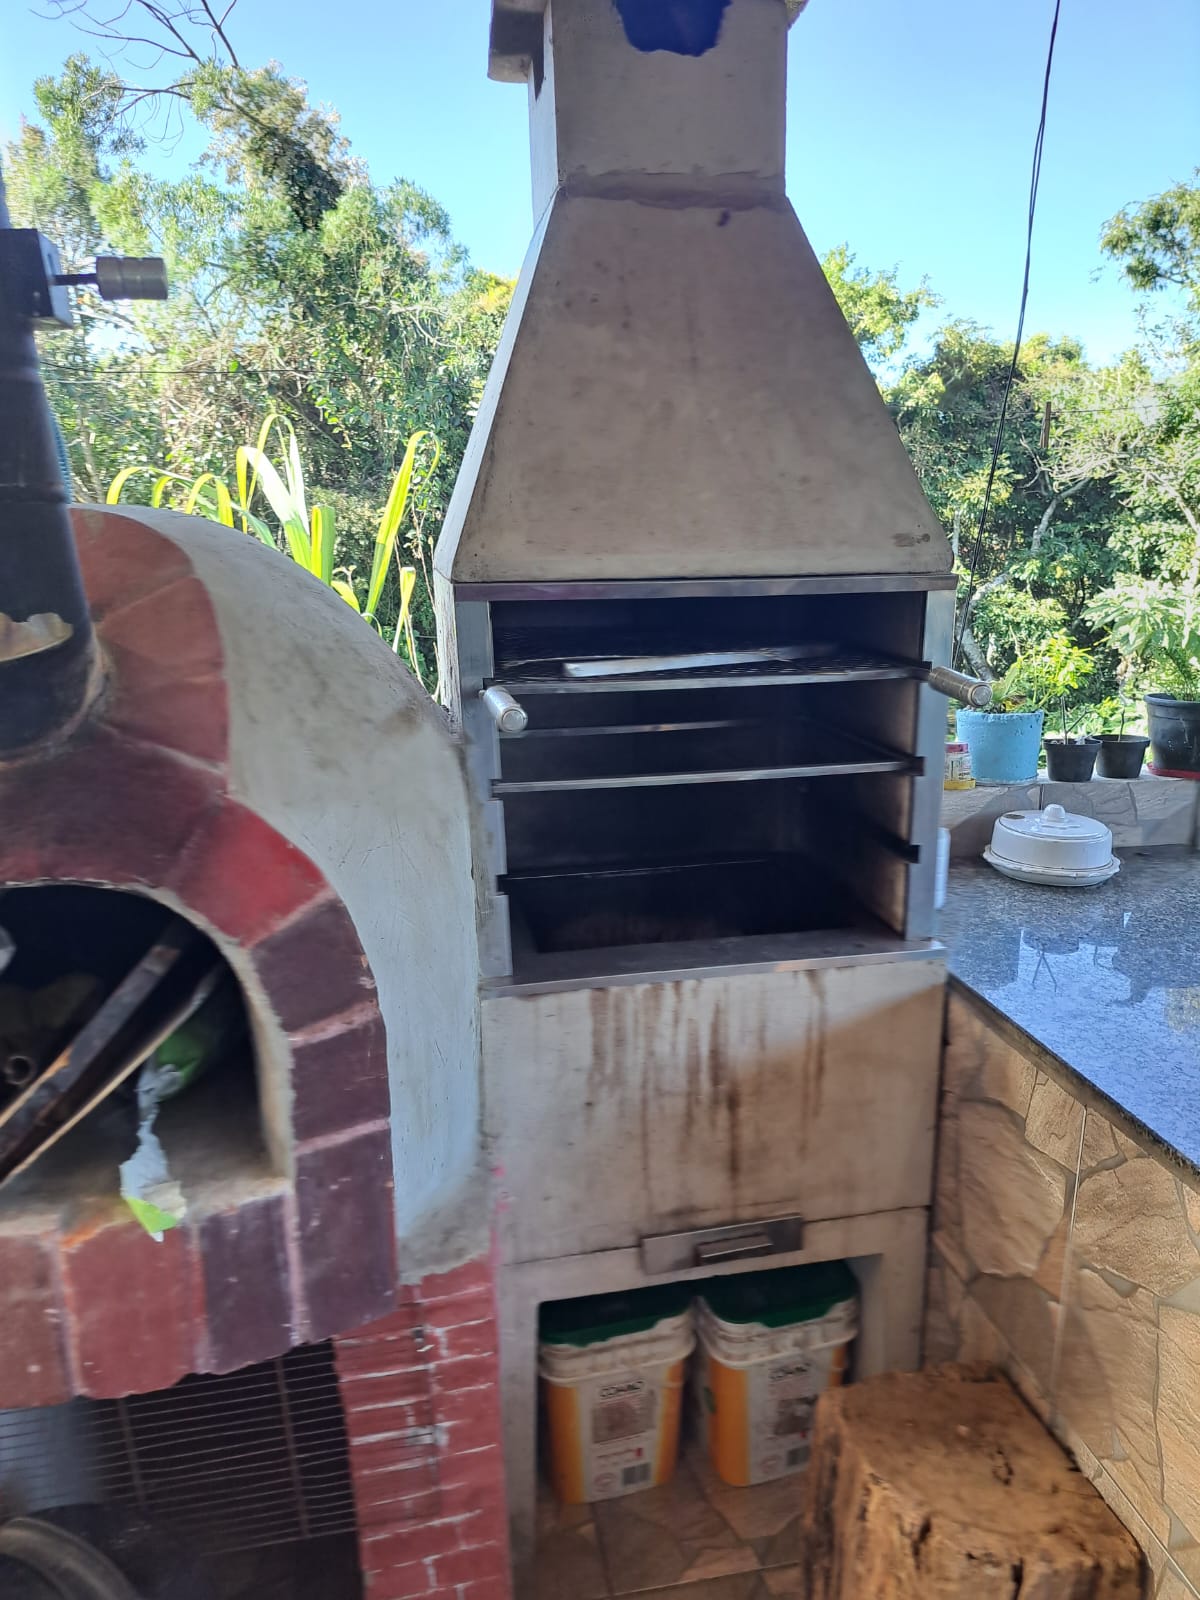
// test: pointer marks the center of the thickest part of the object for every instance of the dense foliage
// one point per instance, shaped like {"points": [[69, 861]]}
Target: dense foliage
{"points": [[299, 287], [302, 288]]}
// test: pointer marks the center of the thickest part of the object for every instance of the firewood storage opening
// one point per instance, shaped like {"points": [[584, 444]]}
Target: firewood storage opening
{"points": [[232, 1487], [125, 1052], [695, 771]]}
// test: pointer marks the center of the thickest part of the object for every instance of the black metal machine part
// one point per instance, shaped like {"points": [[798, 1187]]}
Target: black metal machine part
{"points": [[47, 649], [95, 1552]]}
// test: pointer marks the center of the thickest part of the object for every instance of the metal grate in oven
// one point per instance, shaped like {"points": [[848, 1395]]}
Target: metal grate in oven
{"points": [[251, 1458], [846, 666]]}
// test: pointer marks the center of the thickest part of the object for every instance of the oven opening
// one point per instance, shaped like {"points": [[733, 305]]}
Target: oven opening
{"points": [[685, 1403], [223, 1487], [697, 773], [126, 1059]]}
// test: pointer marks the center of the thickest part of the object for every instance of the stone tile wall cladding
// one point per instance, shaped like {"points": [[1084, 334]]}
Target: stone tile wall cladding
{"points": [[1068, 1252], [421, 1393], [1140, 811]]}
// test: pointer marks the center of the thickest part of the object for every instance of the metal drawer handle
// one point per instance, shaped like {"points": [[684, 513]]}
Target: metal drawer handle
{"points": [[737, 1249]]}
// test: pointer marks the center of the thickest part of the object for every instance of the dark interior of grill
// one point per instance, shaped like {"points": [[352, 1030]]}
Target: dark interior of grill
{"points": [[681, 803]]}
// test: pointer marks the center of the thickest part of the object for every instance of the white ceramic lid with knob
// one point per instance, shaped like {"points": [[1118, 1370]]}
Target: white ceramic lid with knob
{"points": [[1052, 846]]}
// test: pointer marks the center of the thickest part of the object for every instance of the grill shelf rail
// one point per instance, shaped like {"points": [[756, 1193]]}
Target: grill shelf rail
{"points": [[822, 752], [846, 666]]}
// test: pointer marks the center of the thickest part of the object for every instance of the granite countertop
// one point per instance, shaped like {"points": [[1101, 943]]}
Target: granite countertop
{"points": [[1105, 979]]}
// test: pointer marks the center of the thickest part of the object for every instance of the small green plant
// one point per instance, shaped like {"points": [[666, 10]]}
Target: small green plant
{"points": [[1116, 714], [1155, 628], [1043, 679], [309, 536]]}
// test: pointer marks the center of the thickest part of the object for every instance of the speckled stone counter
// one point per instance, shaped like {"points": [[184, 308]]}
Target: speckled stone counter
{"points": [[1106, 979], [1065, 1239]]}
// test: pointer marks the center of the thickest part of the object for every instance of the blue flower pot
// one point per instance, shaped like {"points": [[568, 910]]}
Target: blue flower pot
{"points": [[1004, 745]]}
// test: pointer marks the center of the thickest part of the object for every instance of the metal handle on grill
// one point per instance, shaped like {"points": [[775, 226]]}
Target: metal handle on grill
{"points": [[748, 1244], [508, 714], [956, 685]]}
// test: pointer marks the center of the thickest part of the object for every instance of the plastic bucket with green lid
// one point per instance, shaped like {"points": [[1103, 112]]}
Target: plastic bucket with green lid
{"points": [[769, 1344], [612, 1371]]}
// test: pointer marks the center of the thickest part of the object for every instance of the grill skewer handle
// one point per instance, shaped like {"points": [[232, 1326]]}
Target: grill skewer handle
{"points": [[957, 686], [508, 714]]}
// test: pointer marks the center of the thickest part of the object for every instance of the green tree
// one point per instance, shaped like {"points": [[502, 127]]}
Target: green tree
{"points": [[1045, 551], [1158, 243], [1136, 424], [879, 312], [298, 285]]}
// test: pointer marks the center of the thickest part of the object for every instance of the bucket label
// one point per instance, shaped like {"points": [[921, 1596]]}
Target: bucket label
{"points": [[780, 1399], [621, 1417], [622, 1409]]}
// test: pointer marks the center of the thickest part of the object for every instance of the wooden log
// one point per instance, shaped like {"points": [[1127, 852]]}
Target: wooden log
{"points": [[942, 1485]]}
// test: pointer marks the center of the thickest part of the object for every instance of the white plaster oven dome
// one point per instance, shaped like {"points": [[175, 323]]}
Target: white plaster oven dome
{"points": [[261, 763]]}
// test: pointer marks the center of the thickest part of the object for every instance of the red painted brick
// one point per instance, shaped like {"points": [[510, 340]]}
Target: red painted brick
{"points": [[434, 1594], [189, 715], [347, 1231], [379, 1505], [247, 1281], [411, 1469], [475, 1471], [470, 1339], [243, 877], [402, 1320], [476, 1305], [405, 1333], [469, 1405], [379, 1429], [468, 1566], [398, 1358], [135, 1308], [32, 1366], [461, 1439], [401, 1583], [103, 810], [498, 1587], [464, 1372], [487, 1525], [379, 1589], [164, 637], [411, 1544], [339, 1079], [122, 559], [459, 1280], [314, 969], [369, 1421]]}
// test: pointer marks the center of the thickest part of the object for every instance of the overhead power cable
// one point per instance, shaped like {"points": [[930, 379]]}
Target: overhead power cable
{"points": [[998, 441]]}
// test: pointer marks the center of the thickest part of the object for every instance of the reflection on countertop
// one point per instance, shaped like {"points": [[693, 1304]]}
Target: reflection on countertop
{"points": [[1107, 979]]}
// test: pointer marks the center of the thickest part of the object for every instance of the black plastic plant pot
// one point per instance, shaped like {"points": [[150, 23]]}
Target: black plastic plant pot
{"points": [[1174, 736], [1070, 761], [1121, 755]]}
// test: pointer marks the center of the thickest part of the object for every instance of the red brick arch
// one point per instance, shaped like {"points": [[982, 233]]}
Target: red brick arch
{"points": [[140, 800]]}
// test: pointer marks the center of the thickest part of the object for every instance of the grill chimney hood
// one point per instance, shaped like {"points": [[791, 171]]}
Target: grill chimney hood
{"points": [[676, 394]]}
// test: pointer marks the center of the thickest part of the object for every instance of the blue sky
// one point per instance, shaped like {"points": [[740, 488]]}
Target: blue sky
{"points": [[910, 129]]}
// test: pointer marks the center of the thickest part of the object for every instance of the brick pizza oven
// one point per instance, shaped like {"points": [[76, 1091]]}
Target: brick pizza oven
{"points": [[195, 735]]}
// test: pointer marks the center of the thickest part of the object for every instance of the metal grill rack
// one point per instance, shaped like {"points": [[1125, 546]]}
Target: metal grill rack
{"points": [[252, 1458]]}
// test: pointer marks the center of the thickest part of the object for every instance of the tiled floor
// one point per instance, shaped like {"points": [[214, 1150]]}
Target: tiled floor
{"points": [[693, 1539]]}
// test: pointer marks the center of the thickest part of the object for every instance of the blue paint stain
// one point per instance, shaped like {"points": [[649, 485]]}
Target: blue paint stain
{"points": [[686, 27]]}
